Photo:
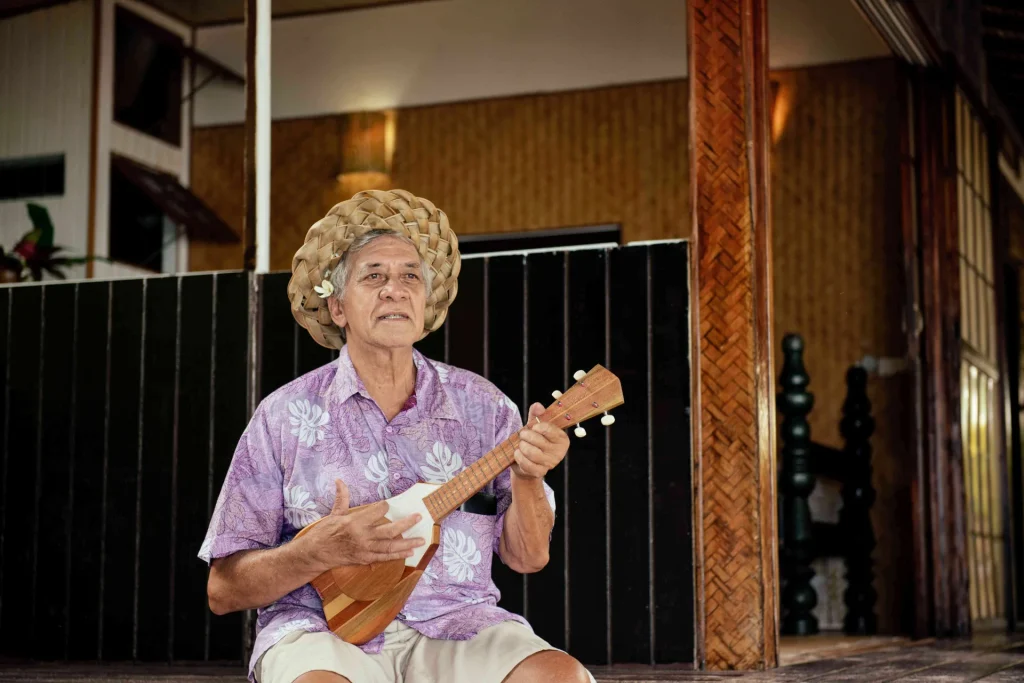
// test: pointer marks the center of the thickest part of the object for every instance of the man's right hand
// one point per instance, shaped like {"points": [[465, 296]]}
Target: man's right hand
{"points": [[360, 536]]}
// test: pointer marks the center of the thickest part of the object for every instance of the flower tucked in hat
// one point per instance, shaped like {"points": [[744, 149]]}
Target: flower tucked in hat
{"points": [[416, 218]]}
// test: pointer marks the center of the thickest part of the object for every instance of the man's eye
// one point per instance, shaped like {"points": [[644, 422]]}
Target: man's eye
{"points": [[373, 276], [414, 276]]}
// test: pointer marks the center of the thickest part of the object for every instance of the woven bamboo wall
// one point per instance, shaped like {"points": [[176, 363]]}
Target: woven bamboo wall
{"points": [[611, 155], [620, 155], [838, 277]]}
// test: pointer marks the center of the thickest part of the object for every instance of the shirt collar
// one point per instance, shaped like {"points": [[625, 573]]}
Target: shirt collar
{"points": [[430, 393]]}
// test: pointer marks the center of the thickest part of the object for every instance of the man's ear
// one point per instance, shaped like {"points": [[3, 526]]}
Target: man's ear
{"points": [[337, 315]]}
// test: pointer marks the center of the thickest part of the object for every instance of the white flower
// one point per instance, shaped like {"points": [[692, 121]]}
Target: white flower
{"points": [[442, 464], [324, 289], [294, 625], [460, 555], [377, 471], [299, 508], [206, 548], [307, 421]]}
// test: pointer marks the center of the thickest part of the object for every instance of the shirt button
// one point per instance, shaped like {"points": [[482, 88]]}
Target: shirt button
{"points": [[397, 476], [388, 430]]}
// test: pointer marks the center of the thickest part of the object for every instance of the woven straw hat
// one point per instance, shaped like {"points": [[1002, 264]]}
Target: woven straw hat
{"points": [[397, 210]]}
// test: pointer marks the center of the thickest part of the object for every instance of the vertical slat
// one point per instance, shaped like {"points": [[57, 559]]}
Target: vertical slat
{"points": [[671, 491], [122, 464], [90, 381], [5, 369], [156, 469], [973, 513], [585, 504], [279, 333], [53, 511], [631, 533], [465, 319], [16, 632], [229, 409], [545, 593], [505, 342], [72, 383], [194, 414]]}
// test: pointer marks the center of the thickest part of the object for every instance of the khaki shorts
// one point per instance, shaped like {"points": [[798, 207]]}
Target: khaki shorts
{"points": [[407, 656]]}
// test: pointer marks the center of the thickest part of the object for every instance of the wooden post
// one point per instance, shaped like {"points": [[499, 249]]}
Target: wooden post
{"points": [[795, 402], [855, 527], [734, 437]]}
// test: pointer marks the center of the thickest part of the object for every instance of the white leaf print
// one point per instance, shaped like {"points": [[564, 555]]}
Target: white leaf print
{"points": [[294, 625], [377, 471], [442, 465], [307, 421], [442, 373], [460, 555], [299, 509]]}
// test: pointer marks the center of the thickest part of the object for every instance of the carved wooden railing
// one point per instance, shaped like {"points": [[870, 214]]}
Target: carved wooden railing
{"points": [[803, 540]]}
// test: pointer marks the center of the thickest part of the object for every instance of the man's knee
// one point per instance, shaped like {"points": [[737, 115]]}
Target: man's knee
{"points": [[550, 665], [321, 677]]}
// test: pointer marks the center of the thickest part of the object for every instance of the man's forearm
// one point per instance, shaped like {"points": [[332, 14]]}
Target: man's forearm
{"points": [[256, 578], [528, 522]]}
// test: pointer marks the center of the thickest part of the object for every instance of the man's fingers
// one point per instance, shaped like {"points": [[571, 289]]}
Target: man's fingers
{"points": [[528, 467], [395, 545], [535, 437], [536, 455], [396, 528], [340, 498]]}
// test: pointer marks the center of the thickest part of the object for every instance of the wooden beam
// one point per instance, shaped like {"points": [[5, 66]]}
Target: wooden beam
{"points": [[733, 393], [941, 479]]}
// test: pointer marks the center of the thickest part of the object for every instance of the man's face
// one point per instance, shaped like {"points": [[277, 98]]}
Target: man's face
{"points": [[385, 296]]}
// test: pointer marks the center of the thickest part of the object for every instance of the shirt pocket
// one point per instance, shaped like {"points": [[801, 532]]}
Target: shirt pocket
{"points": [[466, 550]]}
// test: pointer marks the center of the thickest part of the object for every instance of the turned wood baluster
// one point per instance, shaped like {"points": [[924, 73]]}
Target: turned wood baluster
{"points": [[855, 516], [795, 402]]}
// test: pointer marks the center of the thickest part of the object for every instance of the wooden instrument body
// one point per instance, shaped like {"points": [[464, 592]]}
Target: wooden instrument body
{"points": [[359, 601]]}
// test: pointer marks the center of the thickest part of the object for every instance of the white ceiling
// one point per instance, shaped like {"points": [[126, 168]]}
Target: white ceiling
{"points": [[450, 50]]}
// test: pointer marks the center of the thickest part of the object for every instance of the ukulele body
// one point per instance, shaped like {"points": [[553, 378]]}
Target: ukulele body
{"points": [[360, 601]]}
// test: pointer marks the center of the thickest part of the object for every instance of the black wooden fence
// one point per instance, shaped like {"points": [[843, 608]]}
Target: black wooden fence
{"points": [[124, 400]]}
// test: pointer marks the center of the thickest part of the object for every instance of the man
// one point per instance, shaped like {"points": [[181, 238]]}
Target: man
{"points": [[373, 277]]}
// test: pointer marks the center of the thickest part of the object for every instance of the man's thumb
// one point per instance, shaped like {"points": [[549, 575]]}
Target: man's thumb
{"points": [[340, 498]]}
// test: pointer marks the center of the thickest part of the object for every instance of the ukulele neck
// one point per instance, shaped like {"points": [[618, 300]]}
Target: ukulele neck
{"points": [[469, 481]]}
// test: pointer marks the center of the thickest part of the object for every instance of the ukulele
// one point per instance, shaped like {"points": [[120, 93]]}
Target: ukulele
{"points": [[359, 601]]}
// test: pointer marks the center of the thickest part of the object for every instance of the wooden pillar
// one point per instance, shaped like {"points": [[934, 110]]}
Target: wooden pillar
{"points": [[734, 437]]}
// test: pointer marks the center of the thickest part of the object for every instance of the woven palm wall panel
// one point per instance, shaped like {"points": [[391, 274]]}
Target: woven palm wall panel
{"points": [[590, 157], [732, 354]]}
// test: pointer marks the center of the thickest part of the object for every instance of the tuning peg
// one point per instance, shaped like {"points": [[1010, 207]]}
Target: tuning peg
{"points": [[579, 375], [556, 393], [608, 420], [580, 431]]}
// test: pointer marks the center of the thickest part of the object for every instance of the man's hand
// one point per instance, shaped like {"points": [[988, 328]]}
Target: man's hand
{"points": [[361, 536], [541, 446]]}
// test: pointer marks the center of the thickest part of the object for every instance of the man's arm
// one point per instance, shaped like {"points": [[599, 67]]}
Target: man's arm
{"points": [[256, 578], [526, 534], [528, 523]]}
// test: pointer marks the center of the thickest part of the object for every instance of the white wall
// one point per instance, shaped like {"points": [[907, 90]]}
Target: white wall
{"points": [[112, 137], [451, 50], [45, 108]]}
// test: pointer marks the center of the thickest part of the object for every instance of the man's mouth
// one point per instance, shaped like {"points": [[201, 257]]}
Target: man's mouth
{"points": [[393, 316]]}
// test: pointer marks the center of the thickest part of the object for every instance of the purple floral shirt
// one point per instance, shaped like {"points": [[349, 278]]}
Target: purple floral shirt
{"points": [[325, 426]]}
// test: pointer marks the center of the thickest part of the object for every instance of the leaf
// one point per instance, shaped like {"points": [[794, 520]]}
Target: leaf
{"points": [[42, 224]]}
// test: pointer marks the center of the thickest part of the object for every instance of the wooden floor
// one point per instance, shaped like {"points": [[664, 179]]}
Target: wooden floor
{"points": [[992, 660]]}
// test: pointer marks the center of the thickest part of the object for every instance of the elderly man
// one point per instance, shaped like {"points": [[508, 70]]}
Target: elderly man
{"points": [[373, 277]]}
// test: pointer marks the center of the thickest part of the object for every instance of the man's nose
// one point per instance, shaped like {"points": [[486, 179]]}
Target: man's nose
{"points": [[393, 290]]}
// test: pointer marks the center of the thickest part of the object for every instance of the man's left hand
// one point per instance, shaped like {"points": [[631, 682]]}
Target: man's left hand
{"points": [[541, 446]]}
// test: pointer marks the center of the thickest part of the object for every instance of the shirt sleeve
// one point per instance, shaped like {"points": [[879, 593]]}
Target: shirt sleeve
{"points": [[508, 422], [250, 508]]}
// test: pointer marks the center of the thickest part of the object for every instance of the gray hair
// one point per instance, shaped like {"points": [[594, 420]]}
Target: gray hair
{"points": [[339, 278]]}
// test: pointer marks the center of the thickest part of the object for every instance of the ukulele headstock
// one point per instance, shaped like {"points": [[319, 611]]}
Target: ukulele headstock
{"points": [[594, 393]]}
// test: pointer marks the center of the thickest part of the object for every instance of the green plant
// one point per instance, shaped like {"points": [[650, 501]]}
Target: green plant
{"points": [[35, 252]]}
